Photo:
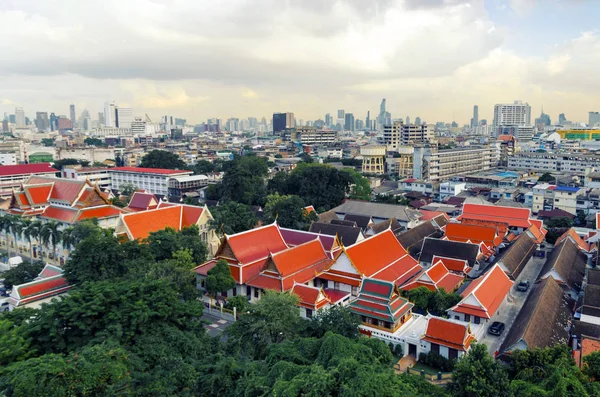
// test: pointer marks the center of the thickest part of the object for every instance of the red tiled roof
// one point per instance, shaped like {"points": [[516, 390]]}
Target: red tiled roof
{"points": [[309, 296], [434, 278], [255, 244], [455, 265], [60, 214], [429, 215], [140, 224], [41, 286], [265, 282], [191, 215], [399, 271], [24, 169], [22, 198], [489, 290], [571, 233], [38, 194], [49, 271], [143, 201], [104, 211], [142, 170], [514, 217], [375, 253], [475, 234], [335, 295], [296, 237], [538, 234], [292, 260], [448, 333]]}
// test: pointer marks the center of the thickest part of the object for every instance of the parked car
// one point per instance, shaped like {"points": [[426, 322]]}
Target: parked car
{"points": [[4, 307], [523, 286], [496, 328]]}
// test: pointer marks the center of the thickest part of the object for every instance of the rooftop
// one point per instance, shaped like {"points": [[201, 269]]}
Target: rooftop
{"points": [[160, 171]]}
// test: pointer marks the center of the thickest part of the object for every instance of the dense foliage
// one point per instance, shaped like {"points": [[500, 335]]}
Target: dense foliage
{"points": [[162, 159], [289, 212], [22, 273], [232, 217], [433, 302]]}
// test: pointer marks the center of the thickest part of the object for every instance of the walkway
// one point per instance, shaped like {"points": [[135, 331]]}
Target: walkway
{"points": [[405, 362], [214, 325]]}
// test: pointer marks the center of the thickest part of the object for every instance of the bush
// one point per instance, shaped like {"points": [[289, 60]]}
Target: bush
{"points": [[437, 361]]}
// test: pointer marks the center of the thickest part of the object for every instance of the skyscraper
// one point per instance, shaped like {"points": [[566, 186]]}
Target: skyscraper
{"points": [[109, 114], [407, 119], [328, 120], [349, 122], [544, 119], [282, 121], [475, 119], [594, 118], [517, 113], [100, 118], [384, 118], [72, 117], [124, 117], [41, 121], [53, 122], [368, 120], [20, 118], [417, 120], [562, 119]]}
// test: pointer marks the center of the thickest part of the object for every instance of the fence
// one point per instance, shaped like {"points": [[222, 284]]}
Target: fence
{"points": [[440, 377], [220, 311]]}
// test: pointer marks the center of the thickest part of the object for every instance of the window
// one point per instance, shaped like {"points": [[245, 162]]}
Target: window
{"points": [[234, 291], [354, 291], [476, 319], [309, 313], [467, 317], [256, 292], [336, 285]]}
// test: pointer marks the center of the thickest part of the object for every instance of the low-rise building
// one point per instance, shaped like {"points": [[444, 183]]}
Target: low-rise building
{"points": [[11, 176], [97, 175], [153, 180]]}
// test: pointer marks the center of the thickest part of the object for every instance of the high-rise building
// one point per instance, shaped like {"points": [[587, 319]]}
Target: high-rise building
{"points": [[475, 119], [282, 121], [517, 113], [64, 123], [543, 120], [349, 122], [368, 120], [418, 120], [328, 120], [41, 121], [53, 122], [594, 118], [72, 115], [12, 119], [384, 118], [20, 118], [400, 134], [100, 118], [562, 119], [124, 117], [109, 115], [407, 119]]}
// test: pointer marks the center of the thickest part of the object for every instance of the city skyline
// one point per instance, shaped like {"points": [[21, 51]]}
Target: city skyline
{"points": [[338, 55]]}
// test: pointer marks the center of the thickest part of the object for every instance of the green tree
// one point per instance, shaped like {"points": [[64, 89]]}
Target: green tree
{"points": [[94, 142], [50, 234], [30, 231], [240, 302], [360, 189], [337, 319], [289, 212], [560, 221], [273, 319], [231, 218], [14, 346], [420, 297], [95, 371], [592, 365], [22, 273], [244, 180], [219, 279], [477, 374], [162, 159], [48, 142], [178, 272], [60, 164], [203, 167], [164, 243], [546, 177]]}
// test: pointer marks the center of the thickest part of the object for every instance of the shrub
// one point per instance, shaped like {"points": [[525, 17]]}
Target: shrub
{"points": [[434, 360]]}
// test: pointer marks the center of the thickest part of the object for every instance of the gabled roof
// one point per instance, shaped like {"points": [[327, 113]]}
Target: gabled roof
{"points": [[139, 225], [100, 212], [50, 282], [591, 300], [294, 237], [382, 257], [310, 297], [448, 333], [435, 278], [142, 201], [348, 235], [362, 221], [518, 254], [25, 169], [60, 214], [514, 217], [449, 249], [376, 210], [473, 233], [484, 295], [255, 244], [412, 239], [566, 263], [381, 226], [555, 213], [454, 265], [380, 300], [544, 320], [572, 234]]}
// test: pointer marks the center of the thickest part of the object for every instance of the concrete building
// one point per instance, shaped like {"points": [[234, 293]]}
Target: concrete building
{"points": [[373, 159], [8, 158], [432, 164], [520, 132], [584, 134], [96, 175], [109, 115], [20, 121], [349, 122], [282, 121], [574, 163], [448, 189], [42, 122], [313, 136], [401, 163], [594, 118], [517, 113], [11, 176], [91, 154], [112, 131], [153, 180], [400, 134], [124, 117]]}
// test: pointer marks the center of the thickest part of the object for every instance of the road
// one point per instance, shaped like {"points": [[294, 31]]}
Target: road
{"points": [[515, 300], [214, 325]]}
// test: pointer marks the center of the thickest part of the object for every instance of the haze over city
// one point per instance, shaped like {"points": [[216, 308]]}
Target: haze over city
{"points": [[201, 59]]}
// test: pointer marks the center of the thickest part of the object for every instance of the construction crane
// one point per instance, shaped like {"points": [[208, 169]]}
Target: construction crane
{"points": [[148, 119]]}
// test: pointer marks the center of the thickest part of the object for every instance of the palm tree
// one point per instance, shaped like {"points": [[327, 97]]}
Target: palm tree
{"points": [[68, 238], [50, 234], [3, 219], [34, 231], [27, 233], [10, 224]]}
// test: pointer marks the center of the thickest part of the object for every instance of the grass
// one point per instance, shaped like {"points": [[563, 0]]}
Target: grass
{"points": [[428, 370]]}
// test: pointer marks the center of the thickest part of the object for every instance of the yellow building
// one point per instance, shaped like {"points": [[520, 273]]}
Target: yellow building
{"points": [[579, 134]]}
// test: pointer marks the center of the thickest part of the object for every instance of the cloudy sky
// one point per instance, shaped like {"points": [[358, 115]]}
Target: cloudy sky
{"points": [[238, 58]]}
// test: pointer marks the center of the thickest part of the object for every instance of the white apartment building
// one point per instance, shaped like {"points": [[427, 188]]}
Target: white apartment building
{"points": [[8, 158], [112, 131], [400, 134], [547, 197], [448, 189], [154, 180], [124, 117], [517, 113], [99, 176], [520, 132], [432, 164], [573, 163]]}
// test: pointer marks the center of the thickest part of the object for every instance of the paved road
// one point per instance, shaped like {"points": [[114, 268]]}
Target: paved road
{"points": [[214, 325], [511, 307]]}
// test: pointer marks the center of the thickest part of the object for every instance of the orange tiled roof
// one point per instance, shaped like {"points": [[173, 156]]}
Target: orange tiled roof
{"points": [[252, 245], [400, 271], [294, 259], [589, 345], [571, 233], [104, 211], [476, 234], [448, 333], [140, 224], [514, 217], [455, 265], [60, 214], [434, 278], [489, 291], [538, 235], [373, 254], [38, 194], [310, 297]]}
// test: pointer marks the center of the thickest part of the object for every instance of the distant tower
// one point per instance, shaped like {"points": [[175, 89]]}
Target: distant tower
{"points": [[368, 121], [407, 119], [20, 117], [475, 119], [72, 115], [418, 120]]}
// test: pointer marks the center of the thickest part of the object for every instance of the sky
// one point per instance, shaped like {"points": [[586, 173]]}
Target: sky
{"points": [[239, 58]]}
